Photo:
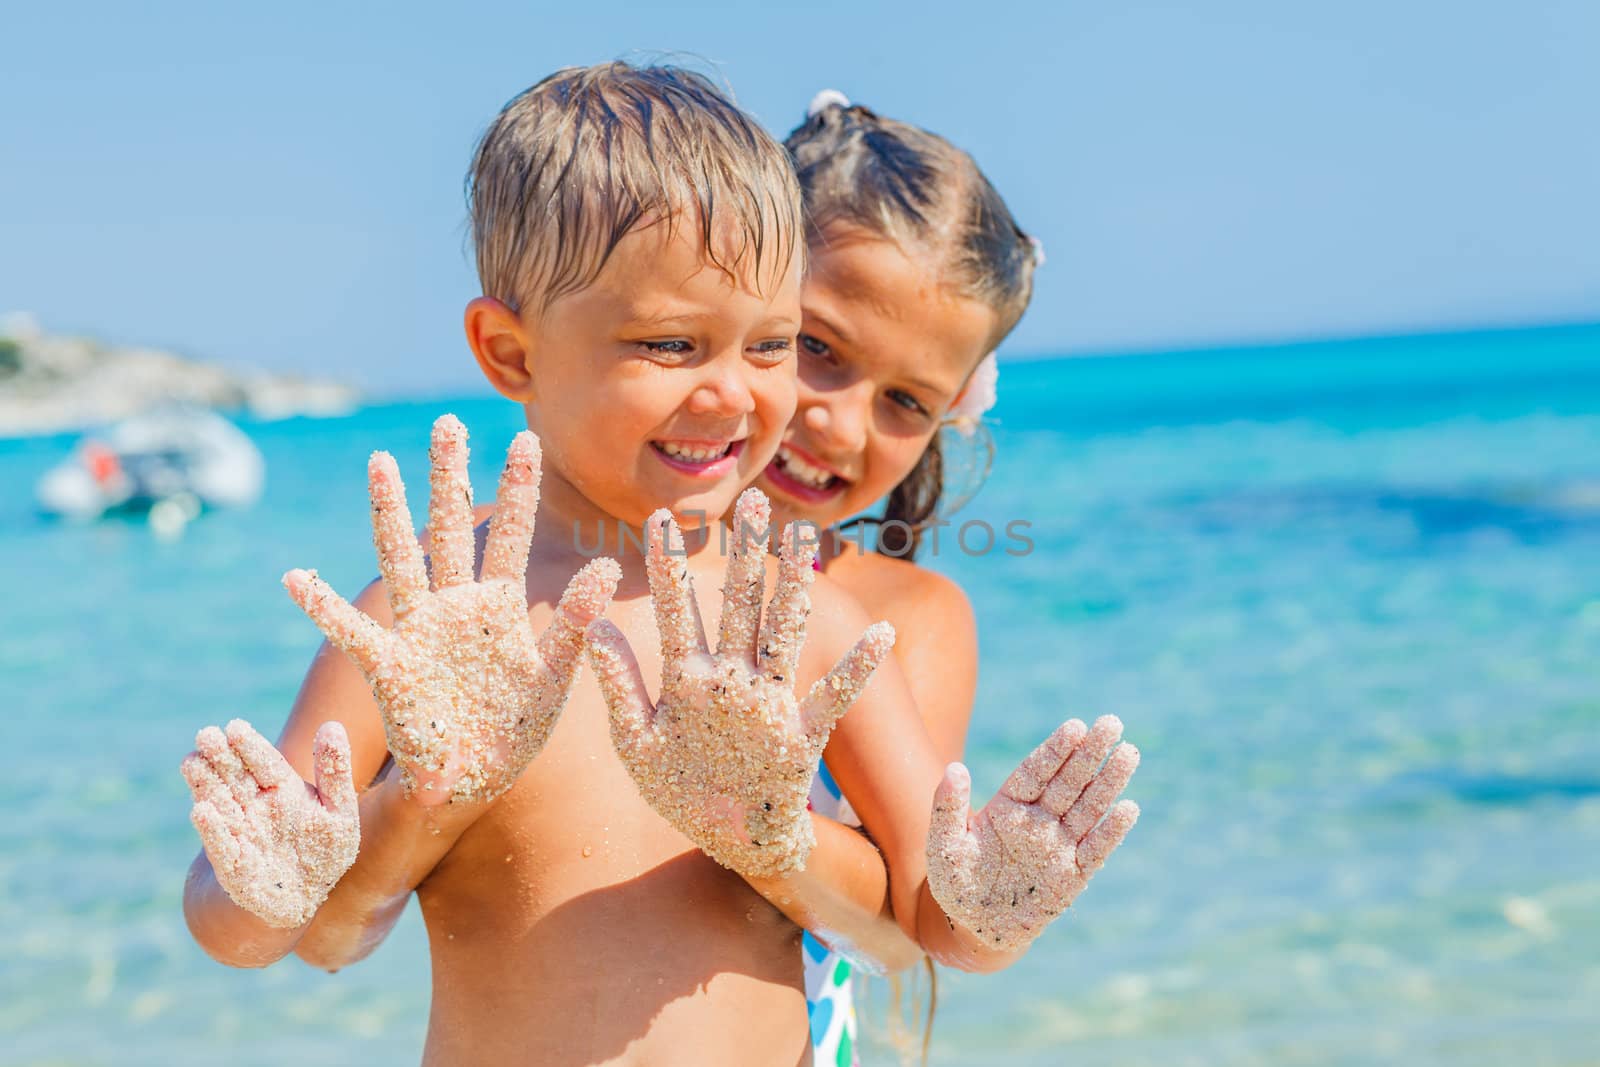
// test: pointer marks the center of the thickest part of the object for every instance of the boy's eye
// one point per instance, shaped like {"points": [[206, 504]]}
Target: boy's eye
{"points": [[774, 351], [666, 348]]}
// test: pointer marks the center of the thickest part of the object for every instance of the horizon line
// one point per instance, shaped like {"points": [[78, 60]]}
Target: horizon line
{"points": [[1301, 341], [1298, 340]]}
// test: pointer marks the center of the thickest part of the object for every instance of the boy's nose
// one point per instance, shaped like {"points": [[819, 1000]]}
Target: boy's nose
{"points": [[723, 392]]}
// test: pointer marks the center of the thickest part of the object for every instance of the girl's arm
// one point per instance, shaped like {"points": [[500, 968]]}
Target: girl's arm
{"points": [[333, 691], [842, 896], [884, 761], [401, 844], [1006, 871], [229, 934], [936, 643], [937, 648]]}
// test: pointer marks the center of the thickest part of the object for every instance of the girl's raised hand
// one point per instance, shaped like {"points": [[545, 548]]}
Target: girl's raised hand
{"points": [[726, 755], [1006, 872], [467, 693], [276, 843]]}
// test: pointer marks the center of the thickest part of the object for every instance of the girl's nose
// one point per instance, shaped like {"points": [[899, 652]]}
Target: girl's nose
{"points": [[723, 392], [838, 420]]}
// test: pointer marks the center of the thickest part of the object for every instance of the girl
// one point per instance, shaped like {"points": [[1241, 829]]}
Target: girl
{"points": [[916, 272], [509, 867]]}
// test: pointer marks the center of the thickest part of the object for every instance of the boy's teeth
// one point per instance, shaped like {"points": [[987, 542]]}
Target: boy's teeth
{"points": [[693, 453], [803, 472]]}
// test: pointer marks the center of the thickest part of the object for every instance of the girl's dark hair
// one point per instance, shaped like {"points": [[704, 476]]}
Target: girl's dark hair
{"points": [[907, 185]]}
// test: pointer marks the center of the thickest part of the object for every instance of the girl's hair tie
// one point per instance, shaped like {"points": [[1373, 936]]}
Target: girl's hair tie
{"points": [[1038, 252], [976, 398], [824, 100]]}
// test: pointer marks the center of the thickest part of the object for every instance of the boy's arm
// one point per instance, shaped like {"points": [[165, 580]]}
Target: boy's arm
{"points": [[727, 753], [462, 688], [446, 669], [398, 847], [401, 843], [401, 839], [847, 893]]}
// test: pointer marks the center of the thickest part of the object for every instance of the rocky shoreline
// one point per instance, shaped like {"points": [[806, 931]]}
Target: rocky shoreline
{"points": [[54, 384]]}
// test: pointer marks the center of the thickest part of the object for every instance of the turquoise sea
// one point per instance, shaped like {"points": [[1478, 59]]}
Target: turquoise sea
{"points": [[1346, 598]]}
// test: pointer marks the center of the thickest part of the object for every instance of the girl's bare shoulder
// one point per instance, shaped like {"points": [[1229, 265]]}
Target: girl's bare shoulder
{"points": [[902, 592]]}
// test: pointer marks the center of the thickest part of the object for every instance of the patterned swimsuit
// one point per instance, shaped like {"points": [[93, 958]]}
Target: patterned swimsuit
{"points": [[829, 1000]]}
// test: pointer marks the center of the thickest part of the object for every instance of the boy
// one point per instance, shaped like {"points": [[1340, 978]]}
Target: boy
{"points": [[642, 303], [638, 241]]}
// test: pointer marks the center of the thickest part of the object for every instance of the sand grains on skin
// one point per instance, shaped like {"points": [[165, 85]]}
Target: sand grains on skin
{"points": [[1007, 872], [467, 692], [727, 753], [277, 845]]}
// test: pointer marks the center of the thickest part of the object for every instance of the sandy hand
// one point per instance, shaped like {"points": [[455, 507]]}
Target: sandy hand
{"points": [[726, 755], [276, 843], [468, 695], [1005, 873]]}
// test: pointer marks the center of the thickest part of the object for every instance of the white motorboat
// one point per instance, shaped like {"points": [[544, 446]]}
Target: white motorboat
{"points": [[173, 463]]}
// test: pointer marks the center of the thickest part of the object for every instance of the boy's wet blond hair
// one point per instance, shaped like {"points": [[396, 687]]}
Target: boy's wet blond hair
{"points": [[573, 164]]}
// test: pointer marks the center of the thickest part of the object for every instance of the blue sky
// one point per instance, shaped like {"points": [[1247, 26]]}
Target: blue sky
{"points": [[280, 185]]}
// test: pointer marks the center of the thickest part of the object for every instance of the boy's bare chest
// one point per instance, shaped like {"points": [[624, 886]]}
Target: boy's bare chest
{"points": [[575, 825], [575, 821]]}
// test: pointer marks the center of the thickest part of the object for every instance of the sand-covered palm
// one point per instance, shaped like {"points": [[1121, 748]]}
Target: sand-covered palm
{"points": [[1009, 870], [727, 754], [468, 694], [276, 843]]}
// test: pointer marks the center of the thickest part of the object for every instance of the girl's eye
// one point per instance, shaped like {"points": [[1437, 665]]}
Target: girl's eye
{"points": [[906, 401], [814, 346], [774, 351]]}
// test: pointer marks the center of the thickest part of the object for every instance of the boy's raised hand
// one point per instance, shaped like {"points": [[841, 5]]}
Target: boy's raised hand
{"points": [[726, 755], [1006, 872], [468, 695], [276, 843]]}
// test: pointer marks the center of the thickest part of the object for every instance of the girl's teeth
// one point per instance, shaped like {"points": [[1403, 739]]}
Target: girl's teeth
{"points": [[803, 472], [694, 454]]}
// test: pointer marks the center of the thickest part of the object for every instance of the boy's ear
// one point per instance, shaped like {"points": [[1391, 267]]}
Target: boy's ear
{"points": [[502, 346]]}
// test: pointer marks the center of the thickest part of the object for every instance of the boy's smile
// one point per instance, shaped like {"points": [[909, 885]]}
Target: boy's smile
{"points": [[667, 382], [700, 459]]}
